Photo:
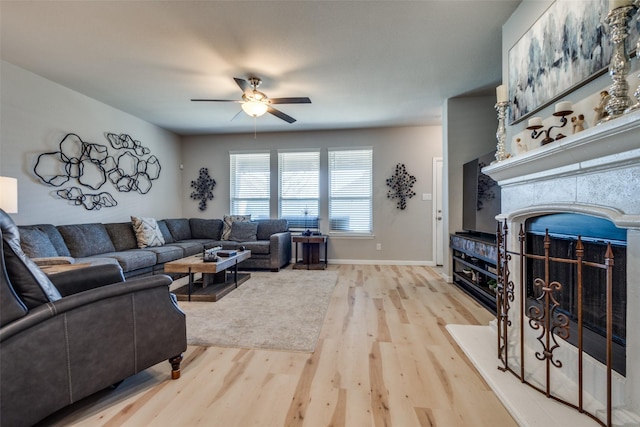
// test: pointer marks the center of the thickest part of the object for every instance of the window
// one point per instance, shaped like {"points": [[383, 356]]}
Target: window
{"points": [[350, 190], [250, 181], [299, 188]]}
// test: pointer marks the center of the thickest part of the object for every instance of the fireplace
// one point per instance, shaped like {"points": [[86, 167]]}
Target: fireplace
{"points": [[562, 232], [593, 176]]}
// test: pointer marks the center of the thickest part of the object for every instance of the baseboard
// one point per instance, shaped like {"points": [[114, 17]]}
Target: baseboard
{"points": [[382, 262]]}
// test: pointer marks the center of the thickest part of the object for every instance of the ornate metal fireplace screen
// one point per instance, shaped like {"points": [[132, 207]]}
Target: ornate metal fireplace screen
{"points": [[546, 318]]}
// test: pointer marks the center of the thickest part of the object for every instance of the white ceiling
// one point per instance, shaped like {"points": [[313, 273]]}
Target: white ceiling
{"points": [[362, 63]]}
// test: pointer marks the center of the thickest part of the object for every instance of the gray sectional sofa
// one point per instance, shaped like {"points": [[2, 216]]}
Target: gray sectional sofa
{"points": [[116, 243]]}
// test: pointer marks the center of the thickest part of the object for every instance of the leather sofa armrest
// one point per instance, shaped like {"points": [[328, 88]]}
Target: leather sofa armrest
{"points": [[108, 291], [82, 279], [91, 296]]}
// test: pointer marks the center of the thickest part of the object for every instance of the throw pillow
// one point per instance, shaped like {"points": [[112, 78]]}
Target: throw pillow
{"points": [[228, 220], [244, 231], [148, 233]]}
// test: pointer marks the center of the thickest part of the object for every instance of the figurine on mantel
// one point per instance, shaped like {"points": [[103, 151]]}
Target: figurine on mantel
{"points": [[601, 113], [520, 146], [578, 123]]}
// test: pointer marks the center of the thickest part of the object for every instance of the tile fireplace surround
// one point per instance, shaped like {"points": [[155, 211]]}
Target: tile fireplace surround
{"points": [[595, 172]]}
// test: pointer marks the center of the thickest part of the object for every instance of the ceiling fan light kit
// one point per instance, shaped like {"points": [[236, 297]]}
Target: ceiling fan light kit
{"points": [[256, 103], [254, 108]]}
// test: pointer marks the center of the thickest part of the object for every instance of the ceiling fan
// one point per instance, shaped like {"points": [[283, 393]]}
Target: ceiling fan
{"points": [[256, 103]]}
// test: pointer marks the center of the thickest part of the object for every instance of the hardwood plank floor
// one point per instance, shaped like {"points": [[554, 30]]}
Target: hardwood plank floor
{"points": [[384, 358]]}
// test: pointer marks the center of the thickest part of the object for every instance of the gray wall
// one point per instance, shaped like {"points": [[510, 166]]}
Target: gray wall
{"points": [[405, 235], [471, 124], [37, 114]]}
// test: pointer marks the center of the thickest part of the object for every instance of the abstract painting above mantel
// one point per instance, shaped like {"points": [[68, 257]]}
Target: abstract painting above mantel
{"points": [[567, 47]]}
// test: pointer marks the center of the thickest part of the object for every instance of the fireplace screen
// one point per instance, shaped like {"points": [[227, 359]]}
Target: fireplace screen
{"points": [[594, 291], [571, 285]]}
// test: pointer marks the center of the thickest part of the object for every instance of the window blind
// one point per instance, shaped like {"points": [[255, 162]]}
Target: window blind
{"points": [[250, 184], [351, 190], [299, 187]]}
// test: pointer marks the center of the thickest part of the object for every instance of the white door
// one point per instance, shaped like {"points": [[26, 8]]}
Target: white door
{"points": [[438, 223]]}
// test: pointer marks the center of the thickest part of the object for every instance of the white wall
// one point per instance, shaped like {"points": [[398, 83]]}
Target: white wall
{"points": [[405, 235], [36, 114]]}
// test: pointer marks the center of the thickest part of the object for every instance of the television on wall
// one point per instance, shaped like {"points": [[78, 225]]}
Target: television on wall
{"points": [[480, 197]]}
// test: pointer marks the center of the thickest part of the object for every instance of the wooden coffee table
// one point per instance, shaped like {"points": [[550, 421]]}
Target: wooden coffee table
{"points": [[216, 281]]}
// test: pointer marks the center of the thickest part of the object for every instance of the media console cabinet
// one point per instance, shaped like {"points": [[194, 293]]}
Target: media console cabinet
{"points": [[474, 261]]}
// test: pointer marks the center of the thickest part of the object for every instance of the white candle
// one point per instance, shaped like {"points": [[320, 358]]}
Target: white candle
{"points": [[563, 106], [614, 4], [501, 93], [535, 121]]}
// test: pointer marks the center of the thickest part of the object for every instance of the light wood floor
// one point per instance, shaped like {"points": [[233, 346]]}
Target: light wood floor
{"points": [[384, 358]]}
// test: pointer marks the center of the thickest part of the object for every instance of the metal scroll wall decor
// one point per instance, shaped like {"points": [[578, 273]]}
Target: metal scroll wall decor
{"points": [[203, 188], [91, 165], [401, 184]]}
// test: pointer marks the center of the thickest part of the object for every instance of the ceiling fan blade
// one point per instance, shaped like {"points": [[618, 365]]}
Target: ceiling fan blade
{"points": [[299, 100], [217, 100], [279, 114], [244, 85], [236, 115]]}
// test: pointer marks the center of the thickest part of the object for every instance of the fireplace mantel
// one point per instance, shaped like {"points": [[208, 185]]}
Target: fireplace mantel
{"points": [[610, 144]]}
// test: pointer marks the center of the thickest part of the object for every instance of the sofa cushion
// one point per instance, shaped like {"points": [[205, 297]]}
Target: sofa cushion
{"points": [[168, 238], [267, 227], [147, 232], [166, 253], [11, 306], [189, 247], [29, 282], [179, 228], [206, 228], [86, 239], [133, 259], [36, 244], [230, 219], [122, 235], [54, 236], [243, 231]]}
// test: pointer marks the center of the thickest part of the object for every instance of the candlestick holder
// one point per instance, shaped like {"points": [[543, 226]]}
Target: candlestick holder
{"points": [[536, 132], [501, 133], [619, 101], [636, 106]]}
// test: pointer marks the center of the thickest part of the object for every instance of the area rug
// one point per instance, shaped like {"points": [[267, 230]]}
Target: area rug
{"points": [[278, 311]]}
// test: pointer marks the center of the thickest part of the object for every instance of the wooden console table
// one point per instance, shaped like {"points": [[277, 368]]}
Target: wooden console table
{"points": [[311, 252]]}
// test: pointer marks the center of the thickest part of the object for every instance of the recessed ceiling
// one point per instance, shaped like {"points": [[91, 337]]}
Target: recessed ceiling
{"points": [[362, 63]]}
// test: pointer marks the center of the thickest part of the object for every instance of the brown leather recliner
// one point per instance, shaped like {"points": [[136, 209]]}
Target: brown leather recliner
{"points": [[71, 334]]}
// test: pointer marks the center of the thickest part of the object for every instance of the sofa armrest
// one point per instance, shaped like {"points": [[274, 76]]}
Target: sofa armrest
{"points": [[46, 311], [280, 250], [82, 279]]}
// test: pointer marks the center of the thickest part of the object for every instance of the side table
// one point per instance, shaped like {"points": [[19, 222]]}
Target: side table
{"points": [[311, 252]]}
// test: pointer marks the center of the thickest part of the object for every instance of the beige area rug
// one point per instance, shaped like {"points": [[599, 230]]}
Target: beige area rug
{"points": [[278, 311]]}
